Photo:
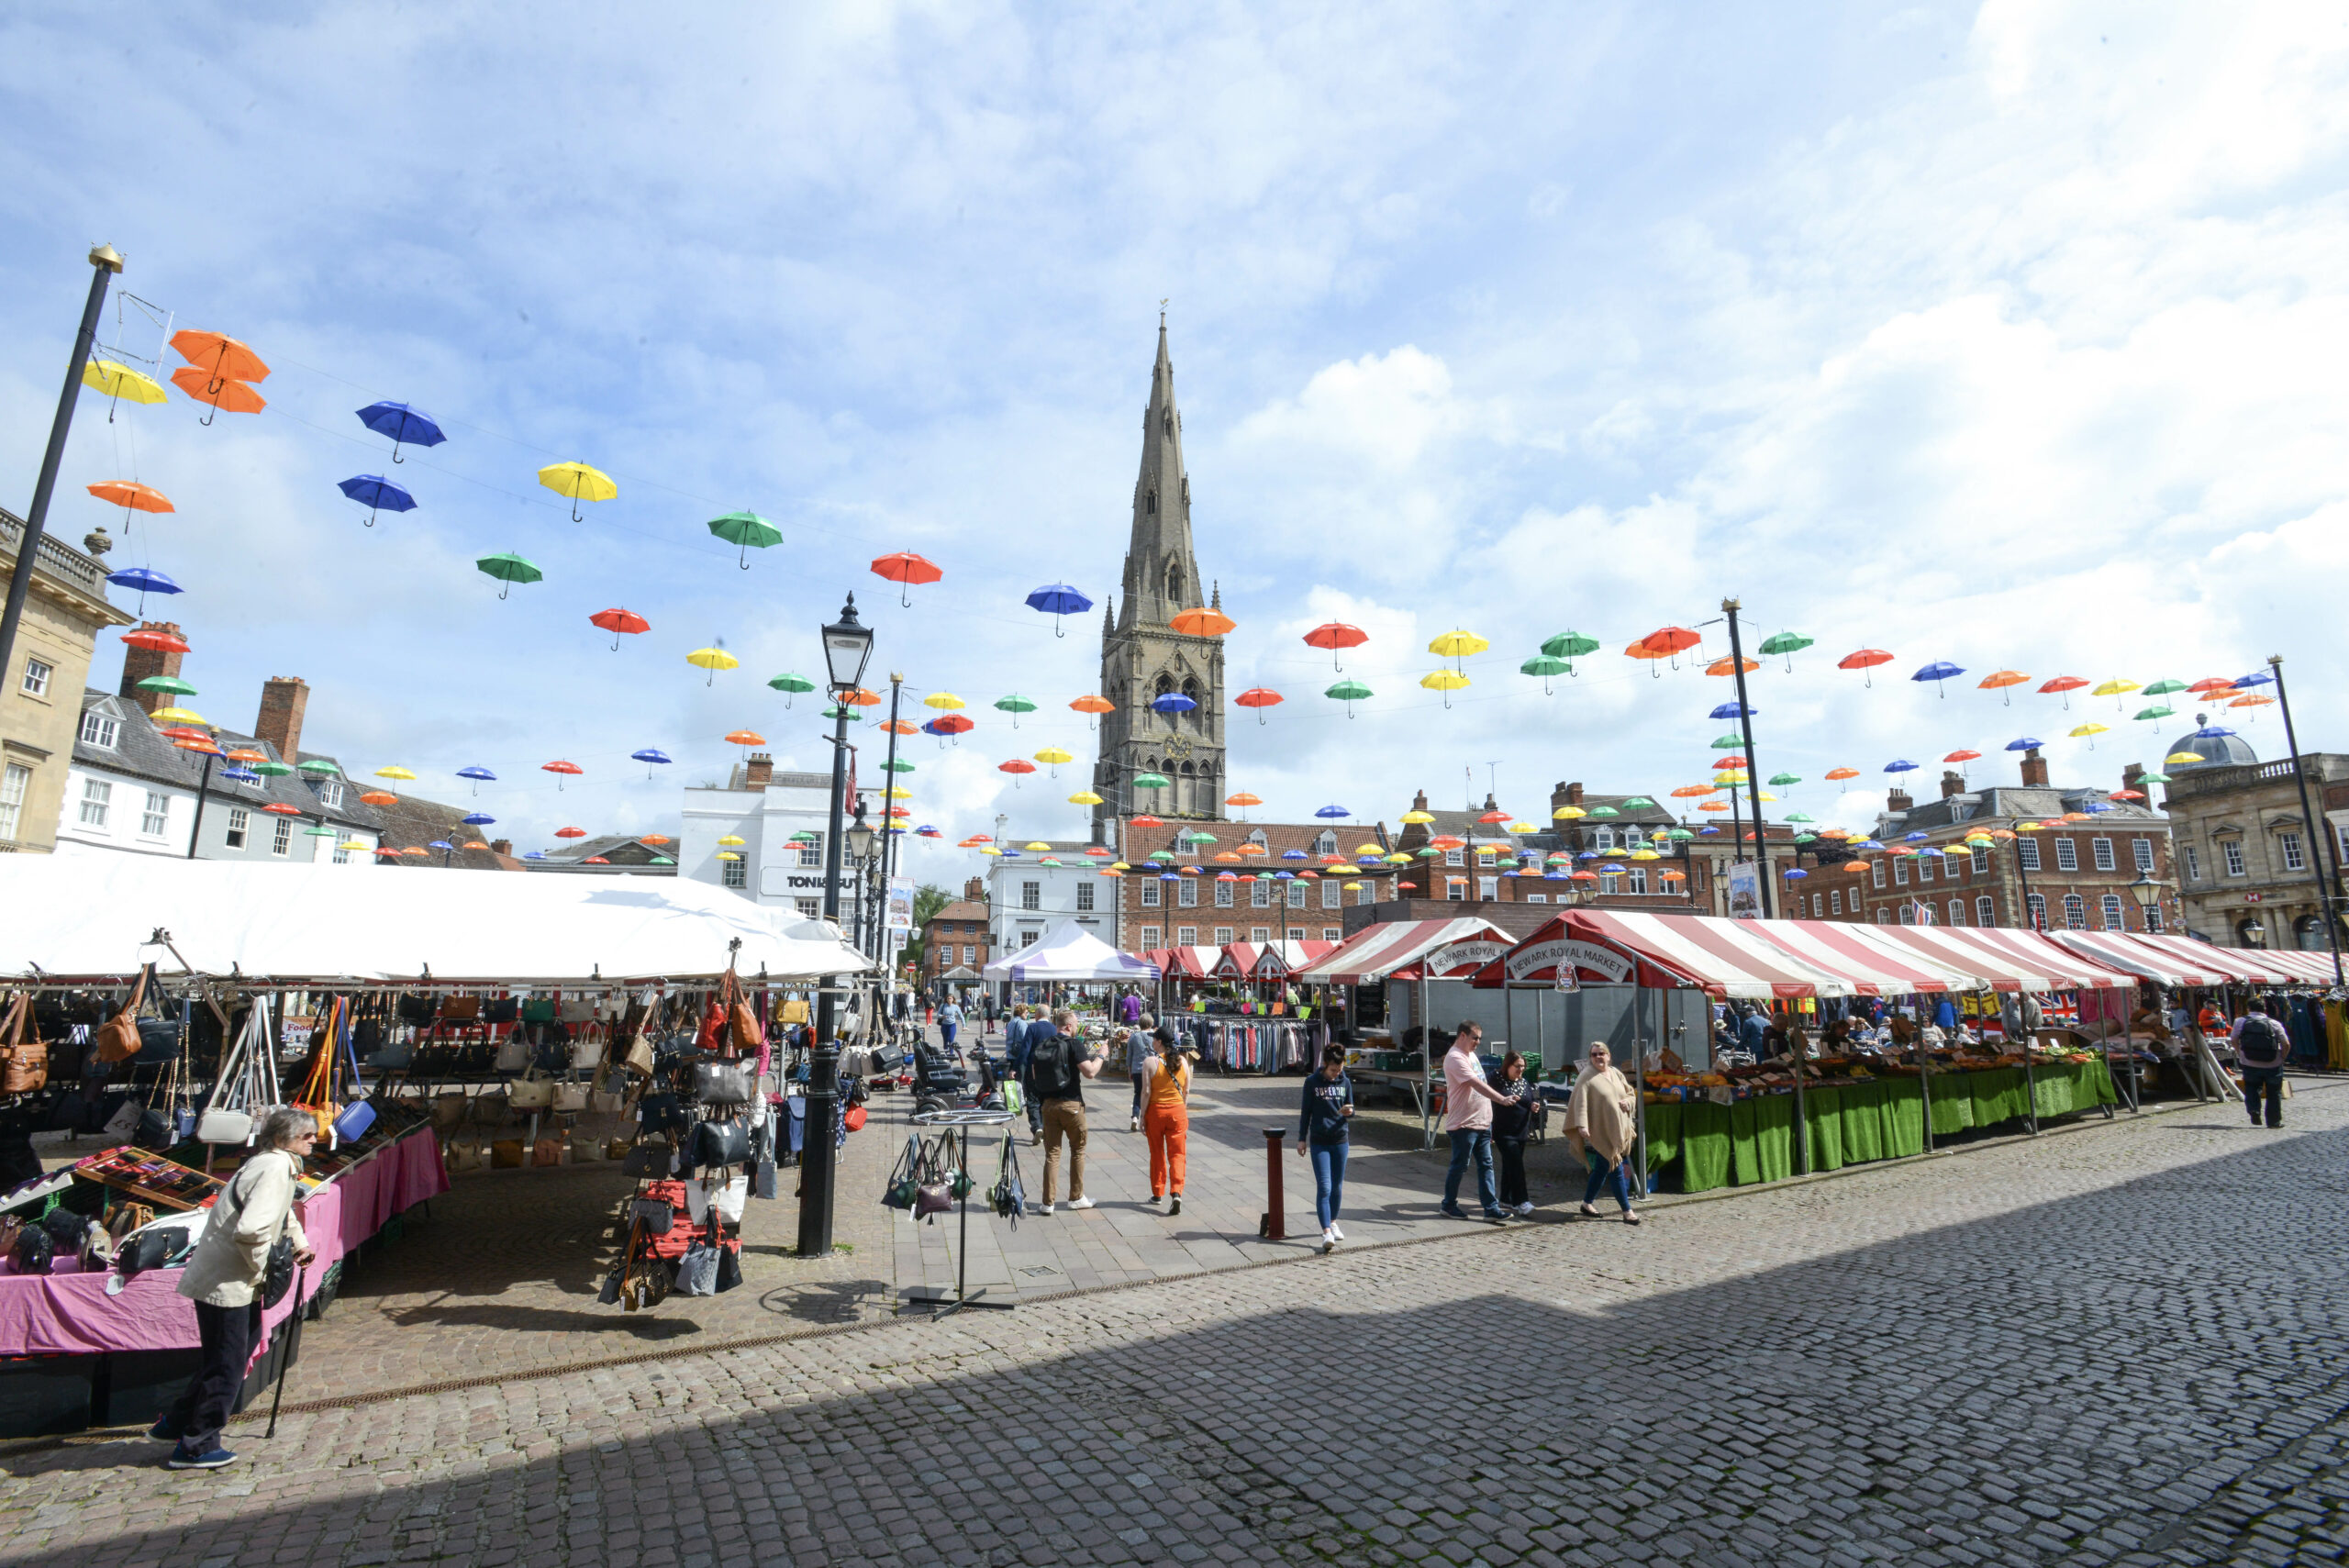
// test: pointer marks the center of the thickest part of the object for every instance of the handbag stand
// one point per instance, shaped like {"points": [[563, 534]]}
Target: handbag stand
{"points": [[942, 1304]]}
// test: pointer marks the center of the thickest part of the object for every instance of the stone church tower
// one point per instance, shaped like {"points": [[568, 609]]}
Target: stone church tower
{"points": [[1144, 657]]}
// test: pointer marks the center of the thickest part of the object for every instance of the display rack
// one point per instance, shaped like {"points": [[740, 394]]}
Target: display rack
{"points": [[940, 1302]]}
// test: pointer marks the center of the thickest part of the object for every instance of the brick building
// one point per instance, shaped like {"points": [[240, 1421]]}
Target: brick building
{"points": [[1200, 910], [955, 940]]}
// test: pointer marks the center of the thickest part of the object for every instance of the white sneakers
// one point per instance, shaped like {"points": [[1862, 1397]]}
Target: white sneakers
{"points": [[1082, 1203], [1330, 1240], [1336, 1234], [1525, 1209], [1133, 1124], [1043, 1209]]}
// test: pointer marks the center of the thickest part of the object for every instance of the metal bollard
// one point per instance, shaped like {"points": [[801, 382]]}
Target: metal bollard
{"points": [[1273, 1226]]}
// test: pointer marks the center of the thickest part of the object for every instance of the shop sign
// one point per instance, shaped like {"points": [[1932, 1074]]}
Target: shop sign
{"points": [[1566, 954], [1453, 955]]}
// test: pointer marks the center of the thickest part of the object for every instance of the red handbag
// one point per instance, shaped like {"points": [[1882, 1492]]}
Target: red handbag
{"points": [[853, 1118], [713, 1026]]}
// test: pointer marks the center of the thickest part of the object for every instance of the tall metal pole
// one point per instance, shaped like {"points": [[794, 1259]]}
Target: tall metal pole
{"points": [[104, 264], [197, 831], [2318, 827], [816, 1158], [889, 838], [1752, 767]]}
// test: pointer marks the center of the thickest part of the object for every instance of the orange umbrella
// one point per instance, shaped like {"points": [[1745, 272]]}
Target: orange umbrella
{"points": [[132, 497], [654, 839], [380, 798], [1691, 792], [899, 727], [1997, 679], [219, 355], [233, 395], [746, 738], [415, 850], [1670, 640], [1202, 623], [247, 754], [1089, 705], [1842, 772], [1724, 666], [860, 698]]}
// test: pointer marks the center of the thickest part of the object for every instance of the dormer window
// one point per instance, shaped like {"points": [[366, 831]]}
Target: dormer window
{"points": [[330, 792], [100, 729]]}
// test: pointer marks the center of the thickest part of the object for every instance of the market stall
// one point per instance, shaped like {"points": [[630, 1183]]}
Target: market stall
{"points": [[2300, 982], [1405, 959]]}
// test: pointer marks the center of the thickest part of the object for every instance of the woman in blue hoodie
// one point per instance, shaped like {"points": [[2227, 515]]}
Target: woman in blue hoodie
{"points": [[1329, 1102]]}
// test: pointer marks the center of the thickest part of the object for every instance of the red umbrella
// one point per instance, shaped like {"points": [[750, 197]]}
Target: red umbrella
{"points": [[155, 640], [1017, 766], [595, 861], [571, 832], [1147, 821], [2199, 688], [183, 732], [2064, 684], [1258, 697], [280, 809], [1962, 757], [1334, 635], [616, 621], [906, 569], [1865, 659], [561, 768], [1669, 640], [1494, 816], [203, 743]]}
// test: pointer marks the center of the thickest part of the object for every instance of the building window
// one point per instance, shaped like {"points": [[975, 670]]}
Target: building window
{"points": [[2231, 853], [331, 792], [2111, 901], [1331, 895], [1259, 935], [1027, 938], [95, 794], [1296, 895], [1455, 890], [341, 855], [1367, 893], [2154, 918], [2067, 856], [1260, 894], [1925, 867], [13, 783], [1327, 844], [1835, 900], [238, 819], [100, 730], [1031, 895], [2293, 859], [1186, 892], [1901, 873], [1489, 887], [2194, 862], [1223, 936], [810, 908], [734, 873], [2038, 905], [1884, 916], [37, 674], [158, 817], [1223, 895], [1639, 879], [1878, 869], [2141, 851], [811, 850], [280, 842], [1818, 906], [1150, 893], [1957, 911], [1907, 913], [1149, 938], [2075, 912], [969, 952], [1603, 838], [1537, 898], [1187, 936], [1332, 933], [2027, 853], [1986, 913], [1452, 857], [1084, 895], [2100, 853], [1981, 861]]}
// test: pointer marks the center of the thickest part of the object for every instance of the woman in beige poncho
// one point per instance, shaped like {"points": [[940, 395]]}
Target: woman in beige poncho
{"points": [[1603, 1119]]}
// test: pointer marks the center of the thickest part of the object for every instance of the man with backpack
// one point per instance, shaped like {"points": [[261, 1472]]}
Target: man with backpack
{"points": [[2260, 1045], [1058, 1065], [1016, 1039]]}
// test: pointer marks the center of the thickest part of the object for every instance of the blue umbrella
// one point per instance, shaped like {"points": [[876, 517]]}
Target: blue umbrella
{"points": [[379, 493], [439, 844], [650, 757], [1334, 811], [1901, 766], [1731, 710], [242, 776], [1796, 871], [1170, 876], [146, 580], [403, 424], [1058, 599], [1173, 702], [1918, 838], [2026, 743], [2261, 679], [477, 775], [1940, 670], [477, 820], [1708, 832], [1284, 876], [1294, 855], [536, 855], [2212, 732]]}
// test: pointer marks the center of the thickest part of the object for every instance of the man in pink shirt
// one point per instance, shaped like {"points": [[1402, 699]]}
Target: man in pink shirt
{"points": [[1468, 1104]]}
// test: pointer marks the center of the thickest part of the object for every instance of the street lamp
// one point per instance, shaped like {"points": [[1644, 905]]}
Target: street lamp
{"points": [[848, 643], [860, 851], [2148, 895], [2254, 933]]}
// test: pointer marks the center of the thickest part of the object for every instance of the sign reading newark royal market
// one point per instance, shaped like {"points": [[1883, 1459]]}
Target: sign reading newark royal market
{"points": [[1472, 955], [1565, 953]]}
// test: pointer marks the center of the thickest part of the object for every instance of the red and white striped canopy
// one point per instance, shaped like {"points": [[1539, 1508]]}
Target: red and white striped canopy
{"points": [[2004, 959], [1376, 951], [1727, 958], [1861, 957], [1191, 963], [1278, 958], [2182, 960], [1236, 961]]}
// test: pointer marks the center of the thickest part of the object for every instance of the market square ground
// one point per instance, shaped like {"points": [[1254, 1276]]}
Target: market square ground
{"points": [[2116, 1345]]}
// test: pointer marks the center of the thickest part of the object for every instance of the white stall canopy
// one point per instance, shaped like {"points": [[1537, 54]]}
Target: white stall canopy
{"points": [[1068, 951]]}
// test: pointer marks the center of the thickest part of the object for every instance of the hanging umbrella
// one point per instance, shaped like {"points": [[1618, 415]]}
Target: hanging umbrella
{"points": [[2163, 688], [270, 769], [947, 724], [2211, 732], [131, 497], [1056, 600], [1695, 792], [580, 482], [1667, 640], [712, 660], [1334, 812], [2087, 732], [1052, 756], [620, 623], [177, 716], [745, 739], [217, 371], [571, 832], [1787, 642], [791, 685], [2113, 689], [561, 769], [898, 765], [1202, 623], [118, 382], [1090, 704], [477, 820], [1900, 766], [1242, 799], [509, 570], [1171, 702], [1259, 698], [171, 686], [155, 640], [1726, 665], [1937, 672], [891, 725], [2253, 700], [1781, 780], [1347, 692], [1734, 710], [1866, 659], [858, 697], [1150, 781], [945, 702], [319, 767], [145, 580], [229, 397], [405, 425], [1546, 666], [734, 840], [1998, 679], [652, 757], [1014, 767], [320, 831], [747, 531], [1085, 797], [906, 569], [2025, 743], [396, 772], [1014, 704], [379, 798], [1444, 681], [2061, 684], [1569, 646], [2159, 710], [1333, 636], [378, 494], [2209, 685]]}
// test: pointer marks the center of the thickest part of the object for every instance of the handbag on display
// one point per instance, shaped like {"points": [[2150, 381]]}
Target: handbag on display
{"points": [[547, 1151], [24, 1059], [505, 1155], [413, 1009], [585, 1151], [652, 1216], [512, 1054], [729, 1195], [586, 1050], [530, 1092], [351, 1122], [723, 1083], [489, 1107], [650, 1160], [461, 1009], [661, 1113], [719, 1143], [539, 1011], [117, 1037], [577, 1010], [317, 1092], [500, 1010], [713, 1026], [449, 1111], [639, 1058], [697, 1270], [570, 1099]]}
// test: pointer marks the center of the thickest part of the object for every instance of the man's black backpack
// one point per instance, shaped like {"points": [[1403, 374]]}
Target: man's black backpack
{"points": [[1052, 1068], [2264, 1042]]}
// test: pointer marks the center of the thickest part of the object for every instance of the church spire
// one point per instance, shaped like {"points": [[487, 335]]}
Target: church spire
{"points": [[1162, 575]]}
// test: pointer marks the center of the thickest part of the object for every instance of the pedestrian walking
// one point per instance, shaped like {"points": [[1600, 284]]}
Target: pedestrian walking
{"points": [[1166, 1122], [1058, 1065], [2262, 1045], [949, 1023], [224, 1278], [1602, 1118], [1513, 1121], [1129, 1008], [1468, 1104], [1321, 1122], [1141, 1052], [1016, 1039]]}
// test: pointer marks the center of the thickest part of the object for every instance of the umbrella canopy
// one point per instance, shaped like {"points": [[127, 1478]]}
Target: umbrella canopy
{"points": [[906, 569], [509, 570], [579, 481], [1171, 702], [155, 640], [405, 425], [131, 497], [219, 355], [1333, 636], [620, 623], [1457, 644], [171, 686], [1569, 645], [379, 494], [120, 381], [712, 660], [1056, 600], [748, 530], [1202, 622], [144, 578], [1258, 697]]}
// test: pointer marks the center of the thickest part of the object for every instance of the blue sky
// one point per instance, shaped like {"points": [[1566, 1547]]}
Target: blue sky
{"points": [[2006, 335]]}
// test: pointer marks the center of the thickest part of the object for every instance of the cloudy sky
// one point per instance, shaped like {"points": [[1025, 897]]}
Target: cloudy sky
{"points": [[2009, 335]]}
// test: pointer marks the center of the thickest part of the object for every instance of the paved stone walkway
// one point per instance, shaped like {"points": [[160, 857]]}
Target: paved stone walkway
{"points": [[2117, 1345]]}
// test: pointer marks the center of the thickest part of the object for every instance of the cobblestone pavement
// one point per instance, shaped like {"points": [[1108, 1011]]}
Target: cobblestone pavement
{"points": [[2119, 1345]]}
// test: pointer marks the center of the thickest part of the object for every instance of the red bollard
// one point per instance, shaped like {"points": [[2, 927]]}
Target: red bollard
{"points": [[1273, 1226]]}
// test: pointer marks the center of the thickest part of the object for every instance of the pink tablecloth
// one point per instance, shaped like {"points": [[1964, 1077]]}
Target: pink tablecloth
{"points": [[69, 1313]]}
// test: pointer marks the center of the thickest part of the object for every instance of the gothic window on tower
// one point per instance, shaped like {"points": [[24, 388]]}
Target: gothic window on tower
{"points": [[1153, 501], [1175, 581]]}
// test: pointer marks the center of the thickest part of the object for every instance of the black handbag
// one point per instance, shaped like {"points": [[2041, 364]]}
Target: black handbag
{"points": [[661, 1113], [719, 1143], [652, 1215], [647, 1160], [722, 1083], [419, 1009], [500, 1010], [159, 1040], [34, 1247], [729, 1268], [278, 1277]]}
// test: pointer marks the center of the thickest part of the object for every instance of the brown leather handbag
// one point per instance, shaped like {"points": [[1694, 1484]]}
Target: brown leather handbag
{"points": [[117, 1037], [461, 1009], [24, 1057]]}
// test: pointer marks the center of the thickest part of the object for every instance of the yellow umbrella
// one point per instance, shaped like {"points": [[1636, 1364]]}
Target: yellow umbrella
{"points": [[1398, 859], [727, 855], [989, 849], [1352, 886], [1370, 850], [1645, 855], [393, 772], [894, 793], [2113, 688], [1085, 797], [351, 844], [732, 840], [1119, 865], [1040, 846], [1458, 645], [1054, 755], [1444, 681], [579, 481], [2176, 759], [1418, 816], [177, 716], [946, 701], [1567, 813], [2086, 731], [1523, 827], [120, 381], [712, 660]]}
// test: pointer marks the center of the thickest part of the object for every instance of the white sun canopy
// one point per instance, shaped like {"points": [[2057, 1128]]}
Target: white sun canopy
{"points": [[91, 917], [1068, 951]]}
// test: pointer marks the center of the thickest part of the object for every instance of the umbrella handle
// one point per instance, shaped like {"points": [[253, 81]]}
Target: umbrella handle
{"points": [[371, 518], [1056, 628], [904, 594], [206, 420], [745, 558], [501, 593], [395, 451]]}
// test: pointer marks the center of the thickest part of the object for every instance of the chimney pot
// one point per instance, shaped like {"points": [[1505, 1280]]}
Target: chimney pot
{"points": [[1574, 792], [759, 772], [1899, 800], [283, 698], [139, 663], [1953, 782], [975, 890], [501, 846], [2034, 769]]}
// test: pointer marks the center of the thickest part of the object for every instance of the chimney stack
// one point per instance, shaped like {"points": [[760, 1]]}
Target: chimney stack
{"points": [[760, 772], [2132, 777], [2034, 769], [501, 847], [1897, 799], [139, 663], [1566, 794], [975, 890], [1953, 782], [282, 700]]}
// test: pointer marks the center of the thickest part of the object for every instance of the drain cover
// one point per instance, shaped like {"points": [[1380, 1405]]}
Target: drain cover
{"points": [[1039, 1271]]}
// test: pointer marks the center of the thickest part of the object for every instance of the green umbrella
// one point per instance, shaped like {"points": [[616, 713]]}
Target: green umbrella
{"points": [[789, 683], [899, 766], [1014, 704], [1799, 816], [748, 529], [1545, 665], [1679, 833], [509, 570], [1788, 643], [1150, 781], [2153, 778], [1603, 811], [1347, 692], [270, 769], [2156, 711], [805, 836], [1570, 645], [171, 683], [320, 831], [1732, 740], [2163, 688], [319, 767], [837, 710], [1639, 803], [1197, 836], [660, 860], [1780, 779]]}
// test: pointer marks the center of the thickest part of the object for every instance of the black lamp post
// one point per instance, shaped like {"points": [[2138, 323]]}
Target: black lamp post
{"points": [[847, 645], [860, 849], [2148, 895]]}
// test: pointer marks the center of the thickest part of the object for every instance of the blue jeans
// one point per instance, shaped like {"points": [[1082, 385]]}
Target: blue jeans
{"points": [[2269, 1080], [946, 1034], [1469, 1143], [1329, 1179], [1604, 1174]]}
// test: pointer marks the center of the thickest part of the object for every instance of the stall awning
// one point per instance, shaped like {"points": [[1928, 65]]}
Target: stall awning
{"points": [[2182, 960], [1191, 963], [1726, 958], [1378, 952], [1278, 958], [1863, 958], [2004, 959], [1236, 959], [1068, 951], [89, 918], [1535, 962], [2313, 967]]}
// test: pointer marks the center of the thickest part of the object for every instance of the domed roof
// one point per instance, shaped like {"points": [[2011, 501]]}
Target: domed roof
{"points": [[2216, 751]]}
